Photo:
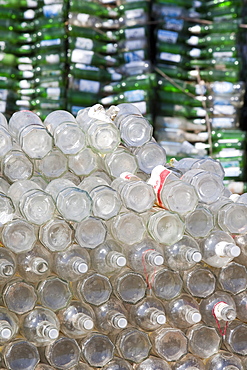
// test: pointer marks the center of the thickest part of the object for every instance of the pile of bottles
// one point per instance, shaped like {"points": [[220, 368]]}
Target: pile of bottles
{"points": [[111, 257]]}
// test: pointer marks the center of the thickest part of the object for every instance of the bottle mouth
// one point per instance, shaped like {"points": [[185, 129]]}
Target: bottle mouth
{"points": [[121, 261], [7, 270], [5, 333], [88, 324], [53, 333], [161, 319], [235, 251]]}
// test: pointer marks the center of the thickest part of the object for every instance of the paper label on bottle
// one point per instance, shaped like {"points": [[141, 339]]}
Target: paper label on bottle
{"points": [[25, 67], [222, 108], [53, 92], [52, 58], [231, 168], [141, 105], [170, 11], [134, 44], [167, 36], [170, 57], [83, 43], [3, 106], [157, 180], [128, 176], [222, 122], [132, 56], [3, 94], [82, 17], [222, 87], [82, 56], [134, 33], [217, 309], [174, 24], [134, 95], [50, 42], [134, 13], [222, 54], [52, 10], [2, 45], [89, 86], [86, 67]]}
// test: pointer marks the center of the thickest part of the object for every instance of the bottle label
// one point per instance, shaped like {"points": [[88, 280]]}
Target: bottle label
{"points": [[52, 10], [222, 87], [170, 11], [82, 17], [157, 179], [134, 13], [217, 309], [82, 56], [53, 92], [134, 44], [134, 33], [167, 36], [2, 45], [134, 95], [222, 122], [170, 57], [222, 54], [3, 94], [133, 56], [52, 58], [3, 106], [89, 86], [231, 168], [83, 43], [86, 67], [223, 107], [174, 24], [50, 42]]}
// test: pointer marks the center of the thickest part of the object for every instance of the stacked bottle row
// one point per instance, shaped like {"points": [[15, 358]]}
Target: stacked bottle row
{"points": [[112, 257]]}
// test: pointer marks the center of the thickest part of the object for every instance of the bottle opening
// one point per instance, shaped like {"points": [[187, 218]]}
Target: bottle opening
{"points": [[53, 333], [82, 268], [122, 323], [88, 324], [196, 256], [6, 333], [161, 319], [7, 270], [121, 261]]}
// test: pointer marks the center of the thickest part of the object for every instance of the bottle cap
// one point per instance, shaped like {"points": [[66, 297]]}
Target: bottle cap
{"points": [[235, 251], [6, 333], [158, 260], [196, 317], [82, 268], [161, 319], [88, 324], [108, 88], [122, 323], [196, 257], [107, 100], [53, 333], [121, 261]]}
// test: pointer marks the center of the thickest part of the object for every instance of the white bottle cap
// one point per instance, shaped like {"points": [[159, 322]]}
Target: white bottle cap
{"points": [[196, 257], [121, 261], [82, 268], [88, 324], [122, 323], [161, 319], [196, 317], [53, 333], [158, 260], [6, 333], [235, 251]]}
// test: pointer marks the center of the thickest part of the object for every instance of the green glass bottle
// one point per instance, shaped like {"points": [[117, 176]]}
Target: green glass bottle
{"points": [[181, 86], [90, 44], [130, 33], [182, 3], [90, 57], [44, 23], [180, 98], [216, 27], [90, 33], [8, 59], [178, 48], [219, 64], [219, 4], [51, 33], [45, 59], [132, 56], [83, 71], [126, 97], [224, 13], [173, 59], [19, 3], [43, 103], [53, 93], [139, 82], [92, 8], [228, 136], [175, 72], [212, 75], [180, 110], [81, 98]]}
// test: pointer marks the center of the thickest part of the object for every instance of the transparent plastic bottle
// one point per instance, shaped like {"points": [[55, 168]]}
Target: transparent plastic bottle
{"points": [[7, 265], [150, 155], [218, 249], [9, 325], [73, 203], [21, 355], [209, 186], [34, 265], [53, 165], [153, 363], [56, 235], [199, 281], [117, 363], [63, 353], [96, 349], [94, 288], [71, 263], [189, 362], [169, 343], [148, 314], [224, 360], [111, 316], [18, 236], [133, 345], [182, 255], [128, 286], [17, 166], [120, 160], [200, 222], [77, 319], [19, 296], [232, 278], [54, 293], [236, 331], [203, 341], [217, 309], [183, 311], [165, 283], [90, 232], [127, 228], [107, 258], [40, 326]]}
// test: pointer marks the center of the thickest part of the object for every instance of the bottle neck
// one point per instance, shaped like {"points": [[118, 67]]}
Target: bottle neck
{"points": [[223, 311], [6, 268], [83, 322], [117, 319], [38, 265], [156, 316], [115, 259], [79, 266], [47, 330], [225, 249], [191, 314], [192, 255], [154, 258], [5, 330]]}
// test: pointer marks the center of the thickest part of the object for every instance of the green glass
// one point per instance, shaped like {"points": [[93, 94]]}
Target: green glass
{"points": [[43, 23], [216, 27], [178, 98], [132, 56], [18, 3], [43, 103], [92, 8], [51, 33], [224, 136], [90, 57], [180, 110], [141, 82], [90, 44], [218, 14], [214, 39], [81, 98], [90, 33], [165, 85], [144, 5], [91, 73], [174, 72], [183, 3], [8, 59], [221, 63], [127, 97]]}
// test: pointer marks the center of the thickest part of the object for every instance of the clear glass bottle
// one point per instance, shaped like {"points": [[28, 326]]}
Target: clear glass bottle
{"points": [[40, 326], [9, 325], [235, 333], [102, 137], [63, 353], [203, 341], [111, 316], [153, 363], [17, 166], [224, 360], [182, 255], [77, 319], [85, 162], [71, 263], [7, 208], [206, 164], [21, 355], [94, 288], [128, 285], [218, 249], [232, 278], [241, 305], [183, 311], [133, 345], [96, 349], [199, 281], [90, 233], [120, 160], [42, 366], [200, 222], [8, 265], [150, 155], [117, 363], [56, 235], [148, 314], [166, 284], [134, 130], [34, 265], [53, 165], [6, 139], [189, 362], [108, 257], [19, 296], [54, 293]]}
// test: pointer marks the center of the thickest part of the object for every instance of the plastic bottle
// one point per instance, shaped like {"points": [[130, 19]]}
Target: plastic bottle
{"points": [[54, 293], [20, 355], [96, 349], [183, 311], [19, 296], [206, 347]]}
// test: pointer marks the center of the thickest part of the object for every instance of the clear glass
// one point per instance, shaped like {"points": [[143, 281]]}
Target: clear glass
{"points": [[153, 363], [224, 360], [118, 363], [18, 236], [77, 319], [19, 296], [233, 278], [6, 141], [165, 283], [85, 162], [44, 367], [82, 366], [90, 232], [241, 305], [106, 202], [183, 311], [111, 316], [135, 130], [120, 160], [206, 164], [169, 343], [199, 281], [204, 341], [21, 355], [200, 222], [63, 353], [56, 235], [189, 362], [133, 345], [102, 137], [150, 155], [69, 138], [9, 325], [128, 286], [40, 326], [218, 249], [16, 166], [127, 228], [54, 293], [72, 263], [94, 288], [235, 339], [53, 165], [8, 265], [34, 265], [107, 258], [97, 349]]}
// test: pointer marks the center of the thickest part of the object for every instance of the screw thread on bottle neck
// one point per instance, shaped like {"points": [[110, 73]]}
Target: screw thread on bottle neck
{"points": [[156, 316], [83, 322], [118, 320], [5, 330], [154, 258], [6, 268], [116, 259], [38, 265]]}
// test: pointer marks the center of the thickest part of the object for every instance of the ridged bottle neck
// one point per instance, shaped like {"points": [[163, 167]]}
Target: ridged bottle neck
{"points": [[38, 265], [115, 259], [83, 322], [6, 268]]}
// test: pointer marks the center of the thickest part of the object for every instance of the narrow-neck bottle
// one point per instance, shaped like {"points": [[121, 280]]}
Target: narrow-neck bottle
{"points": [[19, 297], [96, 343], [9, 325], [56, 235], [84, 43], [183, 311], [19, 351], [199, 281], [140, 82], [236, 330], [63, 352], [54, 293], [153, 363], [224, 360], [189, 362]]}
